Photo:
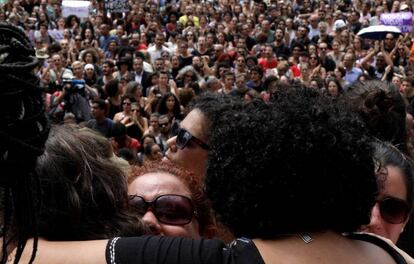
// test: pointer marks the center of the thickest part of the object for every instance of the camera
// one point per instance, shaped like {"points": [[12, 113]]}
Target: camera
{"points": [[73, 86]]}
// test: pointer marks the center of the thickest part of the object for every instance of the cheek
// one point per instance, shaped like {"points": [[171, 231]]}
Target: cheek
{"points": [[393, 231]]}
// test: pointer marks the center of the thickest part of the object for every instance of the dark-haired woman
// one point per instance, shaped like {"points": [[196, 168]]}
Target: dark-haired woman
{"points": [[334, 87], [395, 199], [297, 214], [114, 100], [138, 124], [152, 153], [125, 116], [169, 105], [88, 34], [315, 67]]}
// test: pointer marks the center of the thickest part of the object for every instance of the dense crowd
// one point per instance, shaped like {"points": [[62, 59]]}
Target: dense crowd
{"points": [[157, 80]]}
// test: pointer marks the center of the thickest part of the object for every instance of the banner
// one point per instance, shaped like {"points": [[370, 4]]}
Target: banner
{"points": [[402, 20], [78, 8], [117, 6]]}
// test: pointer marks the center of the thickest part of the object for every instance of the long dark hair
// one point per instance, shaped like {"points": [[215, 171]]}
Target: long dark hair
{"points": [[162, 105], [23, 130], [386, 154]]}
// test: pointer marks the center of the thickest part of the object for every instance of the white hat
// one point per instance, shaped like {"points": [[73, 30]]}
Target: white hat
{"points": [[339, 24], [68, 75], [42, 53], [403, 7], [89, 66]]}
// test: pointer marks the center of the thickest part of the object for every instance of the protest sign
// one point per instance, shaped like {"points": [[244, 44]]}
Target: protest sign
{"points": [[402, 20], [78, 8], [117, 6]]}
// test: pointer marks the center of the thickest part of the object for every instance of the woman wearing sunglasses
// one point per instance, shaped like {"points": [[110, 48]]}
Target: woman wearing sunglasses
{"points": [[189, 148], [170, 201], [395, 199], [297, 174]]}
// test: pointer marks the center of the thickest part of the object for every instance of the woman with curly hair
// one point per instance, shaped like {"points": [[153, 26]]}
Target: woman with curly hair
{"points": [[88, 34], [174, 189], [186, 76], [296, 180]]}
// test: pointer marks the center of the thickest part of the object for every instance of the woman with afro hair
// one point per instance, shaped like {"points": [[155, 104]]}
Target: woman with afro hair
{"points": [[296, 180]]}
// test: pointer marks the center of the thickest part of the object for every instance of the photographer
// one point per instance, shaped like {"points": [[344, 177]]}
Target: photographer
{"points": [[74, 96]]}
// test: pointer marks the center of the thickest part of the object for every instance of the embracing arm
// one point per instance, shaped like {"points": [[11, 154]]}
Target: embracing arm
{"points": [[87, 252], [133, 250]]}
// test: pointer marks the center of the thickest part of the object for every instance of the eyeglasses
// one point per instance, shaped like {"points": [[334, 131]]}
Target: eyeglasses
{"points": [[323, 48], [393, 210], [184, 137], [170, 209]]}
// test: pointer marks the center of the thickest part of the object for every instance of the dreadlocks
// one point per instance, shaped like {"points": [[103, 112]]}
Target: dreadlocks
{"points": [[23, 131]]}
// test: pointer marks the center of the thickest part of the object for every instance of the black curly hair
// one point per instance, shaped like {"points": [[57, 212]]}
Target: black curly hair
{"points": [[383, 110], [212, 105], [23, 131], [302, 163]]}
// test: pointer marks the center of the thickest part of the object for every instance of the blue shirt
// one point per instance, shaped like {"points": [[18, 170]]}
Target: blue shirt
{"points": [[351, 77]]}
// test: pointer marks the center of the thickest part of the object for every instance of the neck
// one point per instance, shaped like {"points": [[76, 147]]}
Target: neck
{"points": [[100, 119]]}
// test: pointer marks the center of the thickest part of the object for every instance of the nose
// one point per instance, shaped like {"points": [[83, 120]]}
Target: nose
{"points": [[377, 223], [151, 220]]}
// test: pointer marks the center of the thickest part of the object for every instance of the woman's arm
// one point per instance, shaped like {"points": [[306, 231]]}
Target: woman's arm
{"points": [[133, 250], [79, 252]]}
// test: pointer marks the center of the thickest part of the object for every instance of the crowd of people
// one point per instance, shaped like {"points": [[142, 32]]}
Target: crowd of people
{"points": [[167, 119]]}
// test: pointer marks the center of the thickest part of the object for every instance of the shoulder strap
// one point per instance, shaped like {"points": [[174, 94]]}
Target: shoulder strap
{"points": [[244, 251], [381, 243]]}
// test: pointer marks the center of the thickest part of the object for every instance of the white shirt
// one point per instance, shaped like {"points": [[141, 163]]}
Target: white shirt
{"points": [[156, 53]]}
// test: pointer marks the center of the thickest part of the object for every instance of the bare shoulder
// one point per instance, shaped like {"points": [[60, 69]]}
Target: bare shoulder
{"points": [[323, 248]]}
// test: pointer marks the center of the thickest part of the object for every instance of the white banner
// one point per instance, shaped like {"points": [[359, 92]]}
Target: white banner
{"points": [[78, 8]]}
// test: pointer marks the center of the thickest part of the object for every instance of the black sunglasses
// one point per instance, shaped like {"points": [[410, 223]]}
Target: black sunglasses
{"points": [[394, 210], [170, 209], [184, 137]]}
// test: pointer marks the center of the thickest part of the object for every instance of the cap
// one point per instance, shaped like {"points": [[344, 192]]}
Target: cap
{"points": [[89, 66], [339, 24], [404, 7], [42, 53]]}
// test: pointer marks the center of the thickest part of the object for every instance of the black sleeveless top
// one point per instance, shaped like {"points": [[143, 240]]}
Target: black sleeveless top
{"points": [[174, 250], [113, 109]]}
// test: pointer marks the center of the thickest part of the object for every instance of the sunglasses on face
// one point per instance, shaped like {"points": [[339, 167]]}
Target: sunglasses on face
{"points": [[170, 209], [393, 210], [184, 137]]}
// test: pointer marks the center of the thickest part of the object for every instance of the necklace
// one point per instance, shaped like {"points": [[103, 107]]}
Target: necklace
{"points": [[305, 237]]}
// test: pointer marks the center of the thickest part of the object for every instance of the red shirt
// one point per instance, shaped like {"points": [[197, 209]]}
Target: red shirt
{"points": [[268, 64]]}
